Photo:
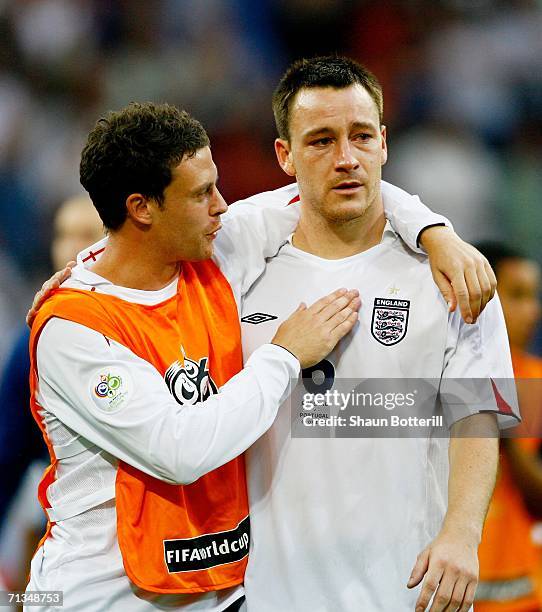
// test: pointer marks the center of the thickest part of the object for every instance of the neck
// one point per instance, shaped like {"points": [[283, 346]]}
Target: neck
{"points": [[332, 239], [130, 261]]}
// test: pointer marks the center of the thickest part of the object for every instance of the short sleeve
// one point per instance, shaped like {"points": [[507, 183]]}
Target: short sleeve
{"points": [[478, 375]]}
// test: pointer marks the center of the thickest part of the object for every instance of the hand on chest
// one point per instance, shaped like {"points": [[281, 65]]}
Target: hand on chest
{"points": [[391, 338]]}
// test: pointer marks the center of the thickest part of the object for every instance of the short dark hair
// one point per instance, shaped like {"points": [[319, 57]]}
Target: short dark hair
{"points": [[324, 71], [496, 252], [133, 150]]}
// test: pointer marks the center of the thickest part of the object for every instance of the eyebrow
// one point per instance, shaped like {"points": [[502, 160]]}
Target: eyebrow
{"points": [[364, 125], [203, 188]]}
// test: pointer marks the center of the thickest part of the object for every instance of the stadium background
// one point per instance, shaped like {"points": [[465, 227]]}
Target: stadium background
{"points": [[462, 85]]}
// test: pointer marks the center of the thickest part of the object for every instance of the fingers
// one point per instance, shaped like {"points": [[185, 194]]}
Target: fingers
{"points": [[444, 594], [58, 278], [349, 300], [340, 330], [30, 316], [327, 300], [485, 287], [335, 313], [469, 272], [66, 273], [419, 569], [491, 276], [445, 287], [475, 292], [429, 586], [488, 283], [49, 285], [468, 599], [458, 595], [481, 283], [453, 590], [462, 296]]}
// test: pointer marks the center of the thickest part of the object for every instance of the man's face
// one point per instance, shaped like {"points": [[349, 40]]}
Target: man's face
{"points": [[77, 225], [336, 150], [186, 225], [519, 289]]}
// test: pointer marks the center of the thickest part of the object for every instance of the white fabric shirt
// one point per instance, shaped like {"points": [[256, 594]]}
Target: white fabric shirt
{"points": [[337, 523], [149, 430]]}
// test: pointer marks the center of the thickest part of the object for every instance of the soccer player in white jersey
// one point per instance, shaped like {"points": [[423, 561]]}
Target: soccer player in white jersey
{"points": [[376, 525]]}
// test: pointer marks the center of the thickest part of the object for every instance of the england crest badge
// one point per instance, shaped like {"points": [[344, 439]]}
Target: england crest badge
{"points": [[390, 320]]}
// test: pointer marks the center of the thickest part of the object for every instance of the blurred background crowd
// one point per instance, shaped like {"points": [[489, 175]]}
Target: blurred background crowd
{"points": [[462, 86]]}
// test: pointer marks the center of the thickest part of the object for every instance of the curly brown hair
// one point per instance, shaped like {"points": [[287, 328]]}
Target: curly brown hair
{"points": [[133, 150]]}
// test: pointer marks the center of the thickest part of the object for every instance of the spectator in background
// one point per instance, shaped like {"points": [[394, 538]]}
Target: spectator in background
{"points": [[449, 167], [76, 226], [509, 560], [64, 62]]}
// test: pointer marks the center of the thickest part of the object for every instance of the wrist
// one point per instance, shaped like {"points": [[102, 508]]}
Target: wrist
{"points": [[468, 531], [286, 349], [431, 233]]}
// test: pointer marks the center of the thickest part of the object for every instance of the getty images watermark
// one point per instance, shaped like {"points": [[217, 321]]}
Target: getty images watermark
{"points": [[323, 406]]}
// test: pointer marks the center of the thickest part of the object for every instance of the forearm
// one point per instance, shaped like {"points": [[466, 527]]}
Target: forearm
{"points": [[151, 430], [473, 469]]}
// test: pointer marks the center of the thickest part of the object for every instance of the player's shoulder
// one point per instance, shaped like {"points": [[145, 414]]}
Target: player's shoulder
{"points": [[402, 254], [61, 340], [275, 198], [83, 278], [411, 269]]}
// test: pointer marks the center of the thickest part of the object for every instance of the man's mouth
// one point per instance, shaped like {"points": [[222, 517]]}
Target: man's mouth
{"points": [[212, 235], [348, 187]]}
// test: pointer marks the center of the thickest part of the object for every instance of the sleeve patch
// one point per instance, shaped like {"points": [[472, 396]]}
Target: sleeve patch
{"points": [[110, 388]]}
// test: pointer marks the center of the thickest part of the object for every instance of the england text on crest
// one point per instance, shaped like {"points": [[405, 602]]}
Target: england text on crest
{"points": [[390, 320]]}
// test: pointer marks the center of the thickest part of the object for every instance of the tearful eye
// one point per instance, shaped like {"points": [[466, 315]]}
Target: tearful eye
{"points": [[321, 141]]}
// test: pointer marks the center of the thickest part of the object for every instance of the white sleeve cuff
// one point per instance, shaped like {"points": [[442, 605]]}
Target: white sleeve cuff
{"points": [[277, 354]]}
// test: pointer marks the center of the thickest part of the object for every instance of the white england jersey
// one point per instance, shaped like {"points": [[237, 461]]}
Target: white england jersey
{"points": [[337, 523]]}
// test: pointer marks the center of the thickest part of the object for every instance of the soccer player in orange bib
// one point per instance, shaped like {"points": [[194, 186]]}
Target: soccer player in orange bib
{"points": [[138, 387]]}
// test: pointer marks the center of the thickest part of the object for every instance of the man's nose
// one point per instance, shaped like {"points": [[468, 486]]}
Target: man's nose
{"points": [[219, 205], [345, 158]]}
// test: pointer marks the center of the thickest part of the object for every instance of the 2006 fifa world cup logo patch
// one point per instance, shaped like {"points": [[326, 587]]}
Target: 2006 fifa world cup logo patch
{"points": [[390, 320], [110, 388]]}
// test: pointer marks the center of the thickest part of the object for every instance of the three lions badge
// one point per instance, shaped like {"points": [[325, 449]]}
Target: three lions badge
{"points": [[390, 320]]}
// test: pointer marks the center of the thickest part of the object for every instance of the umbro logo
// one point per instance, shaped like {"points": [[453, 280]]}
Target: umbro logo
{"points": [[258, 317]]}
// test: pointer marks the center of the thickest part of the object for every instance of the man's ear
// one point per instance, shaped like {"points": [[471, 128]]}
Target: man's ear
{"points": [[384, 157], [139, 209], [284, 156]]}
